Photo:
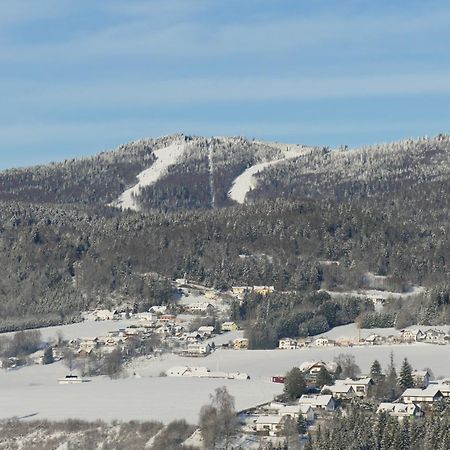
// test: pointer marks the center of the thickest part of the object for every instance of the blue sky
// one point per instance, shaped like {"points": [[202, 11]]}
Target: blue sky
{"points": [[81, 76]]}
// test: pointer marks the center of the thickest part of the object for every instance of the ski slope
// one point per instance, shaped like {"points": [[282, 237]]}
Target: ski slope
{"points": [[165, 157], [247, 180]]}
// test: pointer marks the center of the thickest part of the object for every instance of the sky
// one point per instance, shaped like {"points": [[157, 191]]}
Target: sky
{"points": [[81, 76]]}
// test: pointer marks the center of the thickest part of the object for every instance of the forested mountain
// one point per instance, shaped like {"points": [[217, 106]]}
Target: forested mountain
{"points": [[200, 178], [203, 175], [382, 209]]}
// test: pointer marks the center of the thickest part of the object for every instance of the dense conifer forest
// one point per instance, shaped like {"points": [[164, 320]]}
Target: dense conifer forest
{"points": [[382, 210]]}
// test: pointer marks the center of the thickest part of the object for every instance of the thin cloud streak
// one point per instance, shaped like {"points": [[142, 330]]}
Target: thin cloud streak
{"points": [[227, 90], [149, 37]]}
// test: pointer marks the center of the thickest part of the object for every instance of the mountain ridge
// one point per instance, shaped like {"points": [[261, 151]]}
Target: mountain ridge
{"points": [[209, 166]]}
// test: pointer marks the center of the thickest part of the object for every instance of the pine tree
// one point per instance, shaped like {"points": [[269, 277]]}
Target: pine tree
{"points": [[294, 384], [301, 425], [48, 356], [323, 378], [406, 379], [390, 382], [375, 372], [405, 438]]}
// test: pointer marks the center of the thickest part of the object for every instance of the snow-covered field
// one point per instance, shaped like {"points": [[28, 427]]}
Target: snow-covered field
{"points": [[34, 389], [247, 180], [351, 331], [376, 293], [86, 329], [165, 157]]}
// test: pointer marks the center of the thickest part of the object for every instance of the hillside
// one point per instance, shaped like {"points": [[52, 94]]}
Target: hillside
{"points": [[381, 209], [198, 175]]}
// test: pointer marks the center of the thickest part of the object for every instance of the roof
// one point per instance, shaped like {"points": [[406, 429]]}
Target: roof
{"points": [[350, 382], [428, 392], [338, 388], [420, 373], [304, 408], [398, 408], [372, 337], [308, 365], [270, 420], [442, 388], [315, 400]]}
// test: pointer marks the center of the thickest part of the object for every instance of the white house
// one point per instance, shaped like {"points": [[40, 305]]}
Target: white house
{"points": [[205, 330], [361, 386], [373, 339], [158, 309], [105, 314], [146, 316], [443, 388], [323, 342], [400, 410], [412, 335], [312, 368], [199, 348], [294, 411], [202, 307], [325, 402], [271, 424], [434, 336], [429, 395], [421, 378], [340, 390], [287, 344]]}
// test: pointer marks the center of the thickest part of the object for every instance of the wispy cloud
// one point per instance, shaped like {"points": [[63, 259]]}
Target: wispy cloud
{"points": [[170, 30], [138, 93]]}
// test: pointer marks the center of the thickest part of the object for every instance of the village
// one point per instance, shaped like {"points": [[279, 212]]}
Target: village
{"points": [[193, 327], [193, 342], [406, 336], [269, 424]]}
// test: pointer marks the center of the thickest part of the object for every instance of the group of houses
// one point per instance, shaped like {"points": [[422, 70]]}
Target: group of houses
{"points": [[172, 334], [270, 418], [429, 336]]}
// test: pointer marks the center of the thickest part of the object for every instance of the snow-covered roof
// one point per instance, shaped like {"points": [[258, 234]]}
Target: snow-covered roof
{"points": [[315, 400], [428, 392], [308, 365], [350, 382], [398, 408], [338, 388], [269, 420]]}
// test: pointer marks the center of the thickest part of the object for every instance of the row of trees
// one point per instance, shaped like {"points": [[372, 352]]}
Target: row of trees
{"points": [[359, 429], [275, 316]]}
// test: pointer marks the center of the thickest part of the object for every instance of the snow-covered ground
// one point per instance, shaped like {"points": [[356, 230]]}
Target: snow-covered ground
{"points": [[247, 180], [33, 391], [86, 329], [377, 293], [165, 157], [152, 397], [351, 331]]}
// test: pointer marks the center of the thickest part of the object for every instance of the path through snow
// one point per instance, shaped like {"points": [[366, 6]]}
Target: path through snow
{"points": [[247, 180], [165, 157]]}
